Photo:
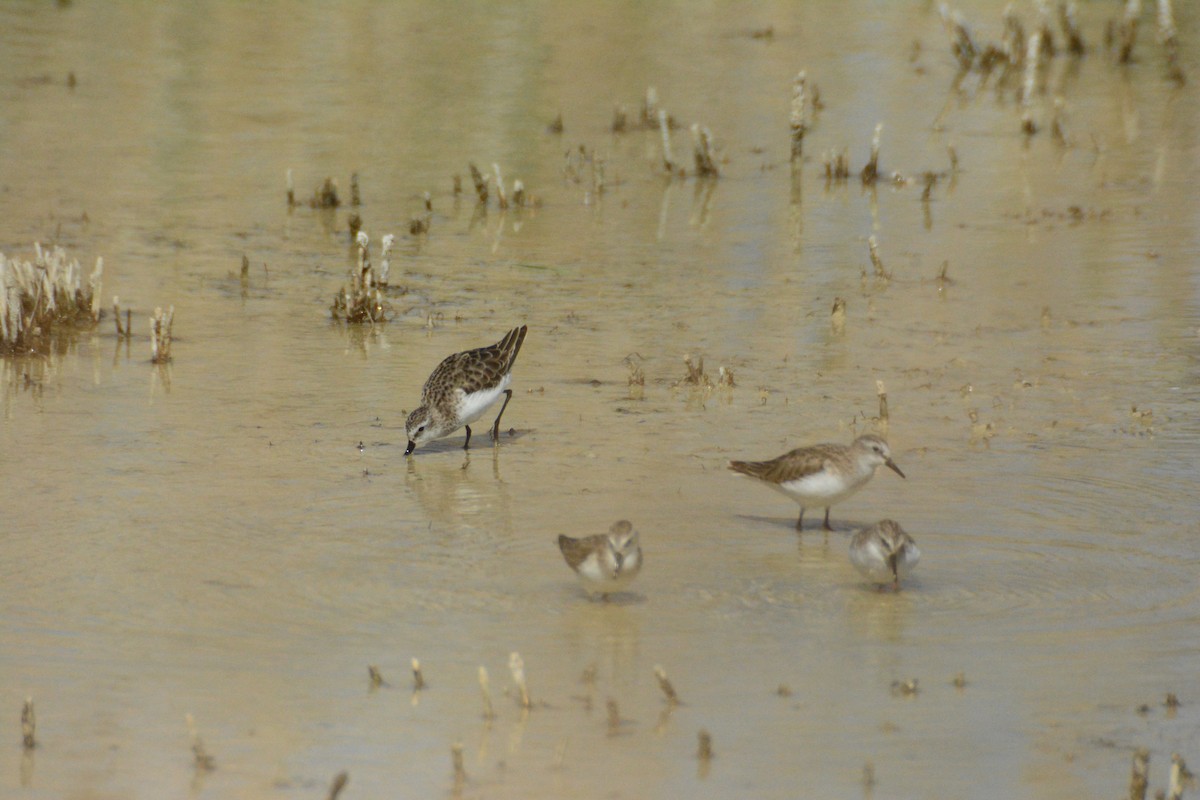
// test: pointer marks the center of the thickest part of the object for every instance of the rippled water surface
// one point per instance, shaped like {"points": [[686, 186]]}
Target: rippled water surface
{"points": [[238, 535]]}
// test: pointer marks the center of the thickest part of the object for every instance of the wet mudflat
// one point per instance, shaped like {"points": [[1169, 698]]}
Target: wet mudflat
{"points": [[238, 534]]}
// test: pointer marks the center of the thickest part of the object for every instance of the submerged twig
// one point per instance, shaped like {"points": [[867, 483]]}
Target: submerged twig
{"points": [[456, 758], [204, 761], [160, 334], [1012, 42], [1168, 36], [1139, 778], [961, 42], [704, 749], [501, 195], [325, 195], [637, 377], [837, 166], [876, 261], [619, 119], [1067, 17], [123, 331], [650, 116], [614, 717], [664, 683], [1043, 25], [1127, 30], [706, 167], [837, 316], [696, 376], [1057, 127], [481, 187], [339, 782], [28, 725]]}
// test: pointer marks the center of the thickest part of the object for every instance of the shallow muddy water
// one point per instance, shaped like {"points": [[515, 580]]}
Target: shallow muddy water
{"points": [[238, 535]]}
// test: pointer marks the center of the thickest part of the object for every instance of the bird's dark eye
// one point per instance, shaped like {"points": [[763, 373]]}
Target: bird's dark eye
{"points": [[421, 429]]}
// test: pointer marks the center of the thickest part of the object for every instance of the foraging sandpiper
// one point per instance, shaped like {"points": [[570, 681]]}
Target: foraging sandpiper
{"points": [[606, 562], [462, 387], [884, 553], [821, 474]]}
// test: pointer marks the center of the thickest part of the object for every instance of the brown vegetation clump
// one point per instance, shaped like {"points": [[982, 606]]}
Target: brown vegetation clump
{"points": [[47, 293]]}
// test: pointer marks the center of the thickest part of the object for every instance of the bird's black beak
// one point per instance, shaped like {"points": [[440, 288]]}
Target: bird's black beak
{"points": [[889, 462], [413, 446]]}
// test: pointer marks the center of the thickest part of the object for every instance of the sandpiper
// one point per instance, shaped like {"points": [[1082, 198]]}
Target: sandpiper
{"points": [[821, 474], [884, 553], [606, 562], [462, 387]]}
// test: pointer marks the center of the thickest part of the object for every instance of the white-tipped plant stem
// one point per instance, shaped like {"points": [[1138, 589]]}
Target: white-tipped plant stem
{"points": [[516, 665], [799, 115], [871, 171], [665, 129], [1033, 55], [489, 712]]}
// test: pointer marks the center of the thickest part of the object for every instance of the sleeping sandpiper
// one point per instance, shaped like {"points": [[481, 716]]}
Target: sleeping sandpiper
{"points": [[821, 474], [606, 562], [463, 387], [884, 553]]}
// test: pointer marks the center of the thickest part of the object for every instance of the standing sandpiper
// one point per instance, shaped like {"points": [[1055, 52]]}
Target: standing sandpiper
{"points": [[821, 474], [606, 562], [462, 388], [884, 553]]}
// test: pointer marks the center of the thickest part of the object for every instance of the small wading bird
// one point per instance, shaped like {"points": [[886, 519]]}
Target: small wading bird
{"points": [[606, 562], [884, 553], [821, 474], [462, 388]]}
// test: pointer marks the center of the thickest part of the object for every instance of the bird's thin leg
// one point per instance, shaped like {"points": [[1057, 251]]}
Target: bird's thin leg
{"points": [[827, 519], [496, 424], [800, 522], [467, 443]]}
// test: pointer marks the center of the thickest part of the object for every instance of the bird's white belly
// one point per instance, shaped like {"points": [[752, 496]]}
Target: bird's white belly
{"points": [[872, 561], [822, 488], [599, 572], [471, 406]]}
